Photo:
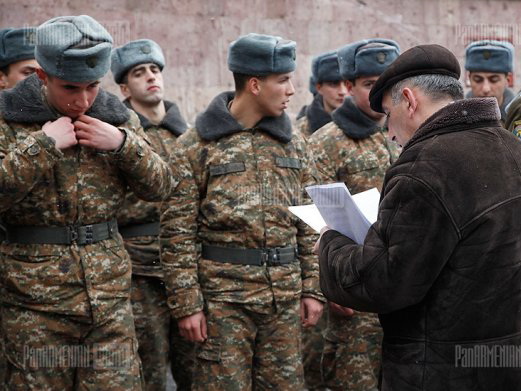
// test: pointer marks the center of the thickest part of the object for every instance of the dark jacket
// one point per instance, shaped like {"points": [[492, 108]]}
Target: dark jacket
{"points": [[442, 265]]}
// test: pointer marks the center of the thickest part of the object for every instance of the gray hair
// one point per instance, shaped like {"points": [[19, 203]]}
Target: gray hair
{"points": [[436, 87]]}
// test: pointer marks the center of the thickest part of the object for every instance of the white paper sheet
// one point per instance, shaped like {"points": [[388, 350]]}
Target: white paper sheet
{"points": [[310, 215], [351, 216]]}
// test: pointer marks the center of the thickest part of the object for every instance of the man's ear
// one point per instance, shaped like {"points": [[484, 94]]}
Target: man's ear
{"points": [[124, 90], [510, 79], [42, 76], [411, 100], [349, 86], [3, 81], [254, 86]]}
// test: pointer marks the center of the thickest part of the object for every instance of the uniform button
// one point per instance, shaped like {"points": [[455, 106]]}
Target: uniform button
{"points": [[33, 150]]}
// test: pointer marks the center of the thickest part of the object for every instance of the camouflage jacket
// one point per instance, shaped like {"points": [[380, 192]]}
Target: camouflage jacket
{"points": [[144, 250], [313, 118], [43, 186], [235, 188], [352, 149]]}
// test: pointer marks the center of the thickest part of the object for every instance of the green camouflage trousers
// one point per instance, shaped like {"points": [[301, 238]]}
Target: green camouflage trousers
{"points": [[48, 352], [158, 337], [248, 350], [351, 358], [312, 347]]}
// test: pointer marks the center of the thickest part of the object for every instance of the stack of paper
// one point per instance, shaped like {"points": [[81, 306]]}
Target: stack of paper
{"points": [[335, 207]]}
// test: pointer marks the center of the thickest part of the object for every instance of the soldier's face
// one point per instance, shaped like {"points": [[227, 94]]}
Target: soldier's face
{"points": [[359, 90], [487, 84], [144, 84], [70, 99], [17, 72], [274, 93], [333, 94]]}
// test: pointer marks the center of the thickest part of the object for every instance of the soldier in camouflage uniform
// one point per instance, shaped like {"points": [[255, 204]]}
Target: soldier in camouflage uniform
{"points": [[354, 149], [70, 151], [513, 120], [16, 63], [137, 68], [16, 55], [239, 271], [330, 94], [490, 66]]}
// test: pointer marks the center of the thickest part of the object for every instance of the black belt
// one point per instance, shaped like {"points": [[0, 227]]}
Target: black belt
{"points": [[135, 230], [251, 256], [81, 235]]}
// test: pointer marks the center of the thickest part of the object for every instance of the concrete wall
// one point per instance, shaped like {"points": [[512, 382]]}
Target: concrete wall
{"points": [[195, 34]]}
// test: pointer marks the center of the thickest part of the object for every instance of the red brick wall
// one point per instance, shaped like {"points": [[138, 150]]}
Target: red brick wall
{"points": [[195, 33]]}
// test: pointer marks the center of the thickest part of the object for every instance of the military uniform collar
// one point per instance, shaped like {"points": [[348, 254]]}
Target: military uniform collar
{"points": [[217, 122], [316, 114], [353, 122], [173, 120], [25, 103]]}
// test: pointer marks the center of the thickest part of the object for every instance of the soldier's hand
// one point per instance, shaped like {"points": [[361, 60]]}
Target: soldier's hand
{"points": [[93, 133], [62, 131], [193, 327], [339, 310], [310, 311]]}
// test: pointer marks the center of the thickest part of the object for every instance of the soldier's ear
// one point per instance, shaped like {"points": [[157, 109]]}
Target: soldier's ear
{"points": [[254, 86], [124, 90], [3, 80], [42, 75], [510, 79]]}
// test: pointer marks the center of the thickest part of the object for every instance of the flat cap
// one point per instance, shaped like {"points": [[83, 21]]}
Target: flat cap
{"points": [[489, 56], [418, 60], [368, 57], [258, 54], [16, 45], [137, 52], [73, 48], [324, 67]]}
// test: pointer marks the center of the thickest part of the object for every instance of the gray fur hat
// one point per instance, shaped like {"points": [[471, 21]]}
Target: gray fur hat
{"points": [[134, 53], [258, 54], [369, 57], [16, 45], [324, 67], [73, 48], [489, 56]]}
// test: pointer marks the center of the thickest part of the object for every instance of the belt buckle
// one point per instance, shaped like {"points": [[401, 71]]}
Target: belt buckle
{"points": [[265, 257], [274, 257], [89, 234], [73, 233]]}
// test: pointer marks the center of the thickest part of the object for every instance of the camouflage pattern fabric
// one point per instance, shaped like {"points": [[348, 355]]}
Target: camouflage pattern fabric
{"points": [[234, 192], [144, 250], [359, 163], [48, 352], [78, 186], [49, 187], [352, 352], [224, 360], [158, 336], [513, 119], [351, 355], [312, 348], [303, 127]]}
